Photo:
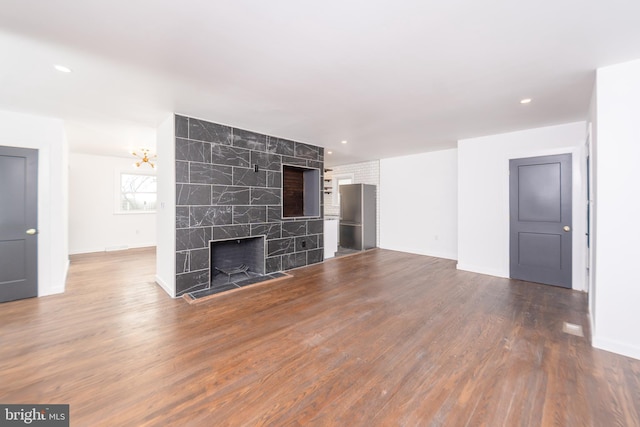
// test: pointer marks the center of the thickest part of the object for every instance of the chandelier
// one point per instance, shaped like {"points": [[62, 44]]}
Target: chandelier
{"points": [[144, 157]]}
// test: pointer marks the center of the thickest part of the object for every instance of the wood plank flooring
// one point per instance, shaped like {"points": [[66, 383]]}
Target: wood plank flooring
{"points": [[377, 339]]}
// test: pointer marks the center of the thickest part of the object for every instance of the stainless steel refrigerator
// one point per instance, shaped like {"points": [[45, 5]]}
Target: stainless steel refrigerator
{"points": [[358, 216]]}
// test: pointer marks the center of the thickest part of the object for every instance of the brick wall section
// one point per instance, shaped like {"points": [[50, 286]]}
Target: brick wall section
{"points": [[220, 196], [363, 173]]}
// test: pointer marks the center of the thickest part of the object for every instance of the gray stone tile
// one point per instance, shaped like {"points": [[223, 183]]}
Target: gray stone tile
{"points": [[294, 161], [266, 161], [306, 151], [189, 282], [249, 177], [230, 156], [182, 126], [222, 287], [290, 261], [274, 214], [210, 132], [229, 195], [274, 179], [265, 196], [280, 146], [199, 259], [294, 228], [305, 243], [250, 140], [203, 216], [222, 175], [193, 151], [192, 238], [314, 164], [182, 172], [201, 173], [182, 262], [315, 256], [231, 231], [182, 217], [249, 214], [193, 194], [273, 264], [272, 230], [280, 246], [315, 226]]}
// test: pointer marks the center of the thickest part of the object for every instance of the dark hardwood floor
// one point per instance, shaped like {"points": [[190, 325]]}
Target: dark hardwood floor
{"points": [[377, 339]]}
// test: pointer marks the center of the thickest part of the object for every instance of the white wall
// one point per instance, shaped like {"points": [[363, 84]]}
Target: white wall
{"points": [[483, 195], [48, 137], [592, 142], [617, 177], [418, 204], [166, 212], [94, 225]]}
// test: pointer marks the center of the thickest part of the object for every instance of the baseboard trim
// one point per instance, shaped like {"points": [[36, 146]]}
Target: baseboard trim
{"points": [[435, 254], [165, 286], [110, 248], [65, 274], [56, 289], [616, 347], [482, 270]]}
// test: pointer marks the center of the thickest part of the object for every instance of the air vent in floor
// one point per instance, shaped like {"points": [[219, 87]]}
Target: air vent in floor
{"points": [[572, 328]]}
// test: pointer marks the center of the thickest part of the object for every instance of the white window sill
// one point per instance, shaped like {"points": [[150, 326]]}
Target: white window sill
{"points": [[135, 213]]}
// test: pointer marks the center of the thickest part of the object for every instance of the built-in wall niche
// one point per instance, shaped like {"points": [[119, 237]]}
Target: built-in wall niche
{"points": [[300, 192]]}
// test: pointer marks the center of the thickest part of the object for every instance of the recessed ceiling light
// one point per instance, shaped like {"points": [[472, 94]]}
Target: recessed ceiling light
{"points": [[344, 142], [329, 152], [525, 101], [62, 68]]}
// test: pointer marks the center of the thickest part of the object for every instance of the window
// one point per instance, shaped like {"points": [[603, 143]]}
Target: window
{"points": [[339, 180], [137, 193]]}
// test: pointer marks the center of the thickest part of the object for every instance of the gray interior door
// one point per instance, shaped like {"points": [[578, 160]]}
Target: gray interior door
{"points": [[18, 223], [540, 212]]}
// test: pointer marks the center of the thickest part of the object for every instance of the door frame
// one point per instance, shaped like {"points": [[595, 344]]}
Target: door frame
{"points": [[47, 135], [579, 208]]}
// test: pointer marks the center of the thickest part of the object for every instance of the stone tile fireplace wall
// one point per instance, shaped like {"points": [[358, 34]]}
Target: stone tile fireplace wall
{"points": [[219, 195]]}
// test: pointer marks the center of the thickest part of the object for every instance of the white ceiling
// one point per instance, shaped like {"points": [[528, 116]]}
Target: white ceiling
{"points": [[391, 77]]}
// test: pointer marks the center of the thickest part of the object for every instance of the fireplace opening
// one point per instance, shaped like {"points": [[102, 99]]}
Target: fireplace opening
{"points": [[236, 260]]}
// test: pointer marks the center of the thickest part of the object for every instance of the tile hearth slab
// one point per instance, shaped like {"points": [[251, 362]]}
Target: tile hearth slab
{"points": [[224, 288]]}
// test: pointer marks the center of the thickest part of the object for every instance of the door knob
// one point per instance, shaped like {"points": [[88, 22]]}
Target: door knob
{"points": [[566, 228], [31, 231]]}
